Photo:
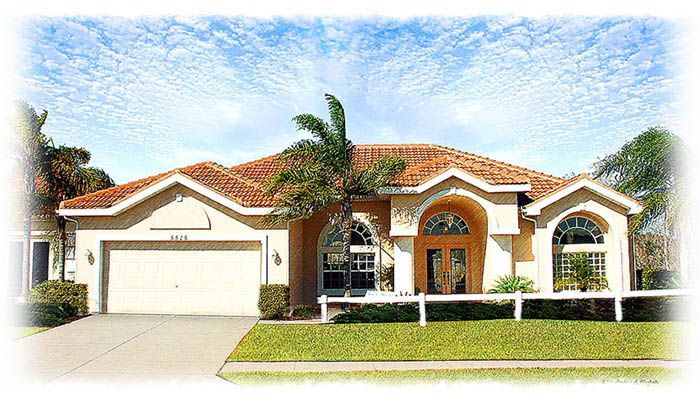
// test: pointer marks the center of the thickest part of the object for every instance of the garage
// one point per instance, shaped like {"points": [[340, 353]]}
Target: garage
{"points": [[191, 278]]}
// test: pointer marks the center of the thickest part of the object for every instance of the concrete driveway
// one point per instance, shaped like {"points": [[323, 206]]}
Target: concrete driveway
{"points": [[115, 347]]}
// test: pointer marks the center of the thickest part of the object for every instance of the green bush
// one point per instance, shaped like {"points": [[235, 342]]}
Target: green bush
{"points": [[512, 284], [44, 314], [305, 312], [654, 278], [382, 313], [634, 309], [654, 309], [274, 301], [467, 311], [74, 295]]}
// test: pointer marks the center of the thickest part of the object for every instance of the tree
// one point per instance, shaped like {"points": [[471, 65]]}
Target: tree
{"points": [[67, 176], [30, 155], [319, 173], [647, 168]]}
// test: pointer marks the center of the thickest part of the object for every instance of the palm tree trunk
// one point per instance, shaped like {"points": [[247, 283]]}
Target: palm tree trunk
{"points": [[346, 208]]}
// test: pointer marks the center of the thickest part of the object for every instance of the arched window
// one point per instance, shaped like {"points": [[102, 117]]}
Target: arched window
{"points": [[360, 236], [572, 235], [445, 223], [364, 252], [577, 230]]}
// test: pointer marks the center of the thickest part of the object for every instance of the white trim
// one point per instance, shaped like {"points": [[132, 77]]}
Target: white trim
{"points": [[460, 174], [156, 236], [535, 208], [172, 180]]}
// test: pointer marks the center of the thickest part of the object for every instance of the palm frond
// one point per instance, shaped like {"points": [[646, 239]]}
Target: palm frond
{"points": [[377, 175], [316, 126], [302, 150]]}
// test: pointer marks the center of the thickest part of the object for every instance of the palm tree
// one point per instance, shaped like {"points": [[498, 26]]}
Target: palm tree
{"points": [[30, 155], [319, 173], [647, 168], [68, 176]]}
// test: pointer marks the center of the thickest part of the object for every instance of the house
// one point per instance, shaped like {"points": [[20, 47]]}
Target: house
{"points": [[41, 253], [195, 240]]}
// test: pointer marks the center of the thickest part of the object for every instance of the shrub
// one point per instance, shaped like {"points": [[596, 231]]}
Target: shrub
{"points": [[74, 295], [469, 311], [434, 312], [44, 314], [382, 313], [274, 301], [655, 278], [634, 309], [512, 284], [654, 309], [304, 312]]}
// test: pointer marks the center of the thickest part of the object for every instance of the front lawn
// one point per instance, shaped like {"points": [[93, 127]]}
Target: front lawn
{"points": [[22, 331], [513, 375], [464, 340]]}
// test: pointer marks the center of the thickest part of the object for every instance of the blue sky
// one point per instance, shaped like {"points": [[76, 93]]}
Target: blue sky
{"points": [[148, 95]]}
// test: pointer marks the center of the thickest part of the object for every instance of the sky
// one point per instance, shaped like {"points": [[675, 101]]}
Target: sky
{"points": [[146, 95]]}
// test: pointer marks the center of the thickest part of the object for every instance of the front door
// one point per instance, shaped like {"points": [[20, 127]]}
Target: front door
{"points": [[447, 270]]}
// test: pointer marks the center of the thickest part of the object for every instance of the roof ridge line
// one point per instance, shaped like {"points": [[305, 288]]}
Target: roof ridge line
{"points": [[503, 163], [236, 175]]}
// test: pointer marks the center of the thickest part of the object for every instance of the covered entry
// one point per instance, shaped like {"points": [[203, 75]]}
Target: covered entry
{"points": [[450, 247], [204, 278]]}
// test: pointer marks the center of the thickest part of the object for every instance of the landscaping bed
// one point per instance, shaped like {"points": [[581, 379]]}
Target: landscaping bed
{"points": [[464, 340], [649, 375], [634, 309]]}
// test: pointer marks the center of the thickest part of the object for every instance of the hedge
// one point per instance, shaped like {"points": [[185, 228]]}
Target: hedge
{"points": [[63, 293], [273, 301], [634, 309], [44, 314]]}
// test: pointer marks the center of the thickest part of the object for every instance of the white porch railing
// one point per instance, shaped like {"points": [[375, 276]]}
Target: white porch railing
{"points": [[517, 297]]}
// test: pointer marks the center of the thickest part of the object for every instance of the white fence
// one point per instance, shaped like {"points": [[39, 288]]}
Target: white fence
{"points": [[518, 297]]}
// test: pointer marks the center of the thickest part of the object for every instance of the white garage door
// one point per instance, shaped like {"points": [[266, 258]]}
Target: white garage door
{"points": [[206, 278]]}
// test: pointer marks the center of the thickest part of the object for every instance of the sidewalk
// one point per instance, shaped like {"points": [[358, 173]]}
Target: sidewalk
{"points": [[327, 366]]}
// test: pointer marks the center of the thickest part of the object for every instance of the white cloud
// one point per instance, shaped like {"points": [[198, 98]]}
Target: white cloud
{"points": [[145, 94]]}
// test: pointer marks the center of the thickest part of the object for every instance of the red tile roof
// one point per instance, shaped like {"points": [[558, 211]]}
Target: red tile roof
{"points": [[243, 183]]}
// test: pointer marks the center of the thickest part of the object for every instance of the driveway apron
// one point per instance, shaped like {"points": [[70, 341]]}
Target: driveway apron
{"points": [[133, 347]]}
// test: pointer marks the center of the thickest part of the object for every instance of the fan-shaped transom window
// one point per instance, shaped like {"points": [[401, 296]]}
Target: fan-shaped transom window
{"points": [[577, 230], [360, 236], [445, 224]]}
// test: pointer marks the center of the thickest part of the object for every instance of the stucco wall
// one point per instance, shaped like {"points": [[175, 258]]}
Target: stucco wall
{"points": [[587, 203], [305, 267], [407, 209], [162, 218]]}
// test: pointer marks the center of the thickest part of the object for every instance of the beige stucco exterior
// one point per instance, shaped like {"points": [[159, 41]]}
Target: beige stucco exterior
{"points": [[502, 240], [162, 218]]}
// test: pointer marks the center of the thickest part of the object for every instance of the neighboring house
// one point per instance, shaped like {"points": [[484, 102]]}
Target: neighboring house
{"points": [[41, 253], [194, 240]]}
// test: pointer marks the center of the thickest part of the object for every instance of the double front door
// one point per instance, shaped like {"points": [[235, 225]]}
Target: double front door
{"points": [[446, 269]]}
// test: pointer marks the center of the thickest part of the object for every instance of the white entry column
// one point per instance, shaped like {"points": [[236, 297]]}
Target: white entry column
{"points": [[403, 264], [498, 260]]}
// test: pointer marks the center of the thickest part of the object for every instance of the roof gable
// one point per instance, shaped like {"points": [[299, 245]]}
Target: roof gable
{"points": [[577, 183]]}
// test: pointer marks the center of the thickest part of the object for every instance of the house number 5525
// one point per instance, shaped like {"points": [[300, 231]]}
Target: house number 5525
{"points": [[178, 237]]}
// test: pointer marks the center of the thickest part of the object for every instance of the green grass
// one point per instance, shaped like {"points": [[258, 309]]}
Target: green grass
{"points": [[517, 375], [464, 340], [22, 331]]}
